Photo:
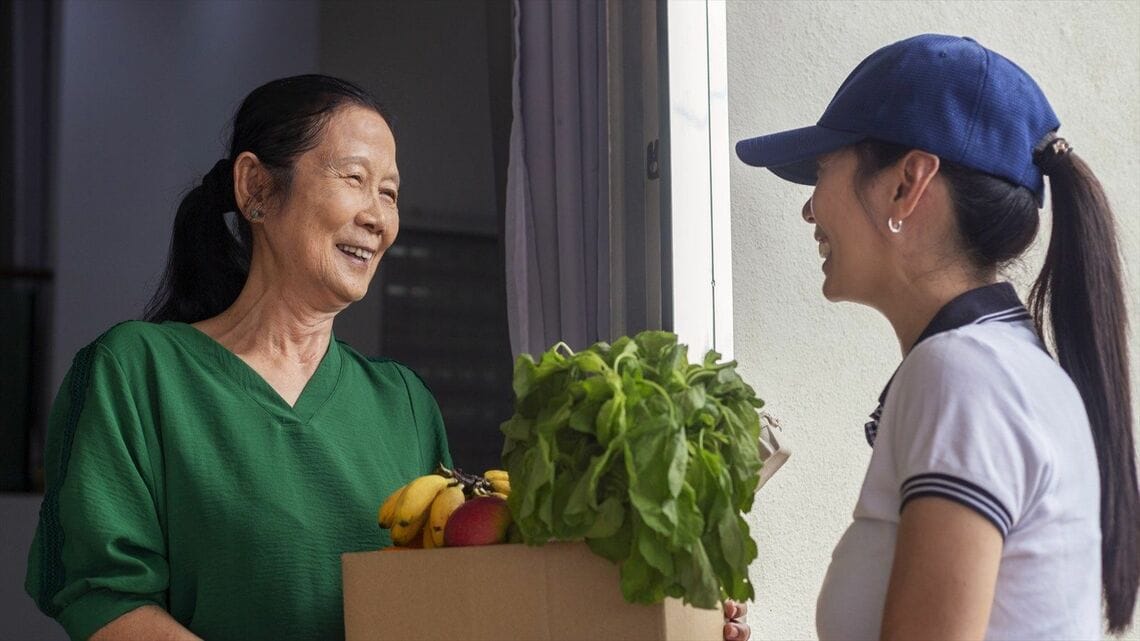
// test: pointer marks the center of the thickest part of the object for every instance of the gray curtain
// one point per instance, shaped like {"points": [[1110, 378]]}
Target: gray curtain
{"points": [[557, 205]]}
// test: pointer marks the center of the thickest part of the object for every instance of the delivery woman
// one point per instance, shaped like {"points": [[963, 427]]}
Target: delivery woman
{"points": [[1001, 497]]}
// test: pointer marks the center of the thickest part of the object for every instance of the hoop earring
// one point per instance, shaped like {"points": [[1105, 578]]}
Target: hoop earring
{"points": [[895, 227]]}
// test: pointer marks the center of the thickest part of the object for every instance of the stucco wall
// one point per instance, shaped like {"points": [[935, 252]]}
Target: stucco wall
{"points": [[820, 365]]}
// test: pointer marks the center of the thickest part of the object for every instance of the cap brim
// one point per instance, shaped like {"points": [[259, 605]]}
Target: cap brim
{"points": [[791, 154]]}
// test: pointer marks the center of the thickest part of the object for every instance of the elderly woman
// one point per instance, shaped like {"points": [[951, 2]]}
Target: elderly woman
{"points": [[207, 468]]}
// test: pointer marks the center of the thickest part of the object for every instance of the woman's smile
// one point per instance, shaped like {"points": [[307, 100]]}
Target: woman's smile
{"points": [[356, 255], [824, 245]]}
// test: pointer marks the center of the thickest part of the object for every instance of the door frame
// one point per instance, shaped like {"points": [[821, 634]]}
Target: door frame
{"points": [[700, 230]]}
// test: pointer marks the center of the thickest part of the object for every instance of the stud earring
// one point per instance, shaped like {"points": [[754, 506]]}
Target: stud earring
{"points": [[895, 227], [256, 214]]}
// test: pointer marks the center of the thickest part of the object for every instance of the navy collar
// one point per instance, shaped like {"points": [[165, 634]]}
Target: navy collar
{"points": [[997, 302], [987, 304]]}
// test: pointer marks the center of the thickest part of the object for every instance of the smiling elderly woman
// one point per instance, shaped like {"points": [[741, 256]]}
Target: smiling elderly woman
{"points": [[206, 469]]}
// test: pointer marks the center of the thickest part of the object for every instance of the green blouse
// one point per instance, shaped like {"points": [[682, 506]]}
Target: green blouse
{"points": [[177, 476]]}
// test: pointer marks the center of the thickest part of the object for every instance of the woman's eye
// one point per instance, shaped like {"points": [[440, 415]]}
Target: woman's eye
{"points": [[390, 194], [356, 178]]}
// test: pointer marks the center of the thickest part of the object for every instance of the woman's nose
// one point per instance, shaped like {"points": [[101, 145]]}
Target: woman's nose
{"points": [[371, 219], [808, 211]]}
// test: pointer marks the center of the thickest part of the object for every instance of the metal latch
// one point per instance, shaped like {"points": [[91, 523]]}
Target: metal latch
{"points": [[774, 449]]}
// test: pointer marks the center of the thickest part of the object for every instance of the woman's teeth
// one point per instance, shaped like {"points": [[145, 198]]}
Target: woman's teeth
{"points": [[359, 252], [824, 249]]}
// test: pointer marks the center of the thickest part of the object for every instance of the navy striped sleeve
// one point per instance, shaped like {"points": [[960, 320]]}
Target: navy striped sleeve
{"points": [[960, 491]]}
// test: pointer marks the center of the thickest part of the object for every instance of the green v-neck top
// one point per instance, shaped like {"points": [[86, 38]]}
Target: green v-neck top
{"points": [[176, 476]]}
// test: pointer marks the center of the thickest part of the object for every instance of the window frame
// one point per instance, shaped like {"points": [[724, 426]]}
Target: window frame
{"points": [[699, 219]]}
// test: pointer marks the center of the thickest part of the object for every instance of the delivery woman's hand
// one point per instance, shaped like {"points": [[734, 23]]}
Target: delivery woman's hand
{"points": [[734, 630]]}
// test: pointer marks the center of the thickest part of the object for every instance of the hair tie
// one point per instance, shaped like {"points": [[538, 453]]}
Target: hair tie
{"points": [[219, 183], [1051, 149]]}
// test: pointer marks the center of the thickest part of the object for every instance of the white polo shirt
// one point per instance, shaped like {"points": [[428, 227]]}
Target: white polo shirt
{"points": [[980, 414]]}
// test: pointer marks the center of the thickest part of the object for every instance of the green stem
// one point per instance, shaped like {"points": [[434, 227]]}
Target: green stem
{"points": [[701, 373], [618, 360], [665, 395]]}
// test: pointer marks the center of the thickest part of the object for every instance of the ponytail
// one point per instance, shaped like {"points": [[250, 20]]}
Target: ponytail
{"points": [[207, 265], [1080, 292]]}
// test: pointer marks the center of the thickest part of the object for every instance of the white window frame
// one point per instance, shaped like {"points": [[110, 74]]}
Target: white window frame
{"points": [[699, 158]]}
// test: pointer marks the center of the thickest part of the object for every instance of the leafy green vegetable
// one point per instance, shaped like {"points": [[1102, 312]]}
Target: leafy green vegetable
{"points": [[649, 458]]}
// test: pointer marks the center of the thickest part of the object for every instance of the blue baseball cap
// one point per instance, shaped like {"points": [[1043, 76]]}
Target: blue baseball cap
{"points": [[946, 95]]}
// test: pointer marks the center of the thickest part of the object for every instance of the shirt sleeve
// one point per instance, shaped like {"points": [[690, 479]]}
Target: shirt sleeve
{"points": [[429, 421], [963, 431], [99, 549]]}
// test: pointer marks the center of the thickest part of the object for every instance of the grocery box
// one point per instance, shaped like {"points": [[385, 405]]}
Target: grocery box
{"points": [[556, 592]]}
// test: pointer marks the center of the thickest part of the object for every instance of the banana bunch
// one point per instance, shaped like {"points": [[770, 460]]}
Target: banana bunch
{"points": [[417, 513], [500, 482]]}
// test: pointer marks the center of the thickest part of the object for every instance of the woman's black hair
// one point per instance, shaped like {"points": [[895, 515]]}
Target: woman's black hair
{"points": [[1080, 294], [208, 262]]}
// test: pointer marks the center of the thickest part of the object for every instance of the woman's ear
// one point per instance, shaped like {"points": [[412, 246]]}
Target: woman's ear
{"points": [[912, 177], [251, 183]]}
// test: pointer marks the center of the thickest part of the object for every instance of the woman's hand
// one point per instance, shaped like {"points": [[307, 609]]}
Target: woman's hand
{"points": [[734, 630]]}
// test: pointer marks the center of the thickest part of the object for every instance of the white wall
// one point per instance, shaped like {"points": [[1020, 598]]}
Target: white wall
{"points": [[821, 366]]}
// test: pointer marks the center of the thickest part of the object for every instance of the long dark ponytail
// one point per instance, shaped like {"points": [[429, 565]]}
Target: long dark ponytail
{"points": [[209, 261], [1080, 291], [1079, 299]]}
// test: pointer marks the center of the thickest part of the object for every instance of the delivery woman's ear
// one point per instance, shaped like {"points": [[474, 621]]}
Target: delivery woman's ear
{"points": [[910, 180]]}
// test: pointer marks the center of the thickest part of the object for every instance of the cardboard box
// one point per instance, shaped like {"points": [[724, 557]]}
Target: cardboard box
{"points": [[557, 592]]}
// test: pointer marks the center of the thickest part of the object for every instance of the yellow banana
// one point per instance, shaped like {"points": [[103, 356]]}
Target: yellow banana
{"points": [[448, 500], [429, 540], [502, 486], [387, 514], [404, 534], [491, 475], [500, 495], [412, 506]]}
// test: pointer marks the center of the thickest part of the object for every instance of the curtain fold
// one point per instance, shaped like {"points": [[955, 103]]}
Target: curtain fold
{"points": [[557, 204]]}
